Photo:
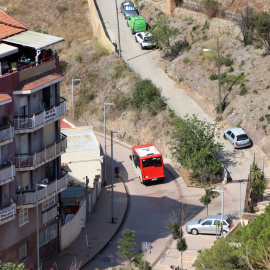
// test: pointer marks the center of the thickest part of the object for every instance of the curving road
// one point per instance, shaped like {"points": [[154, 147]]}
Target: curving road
{"points": [[149, 212]]}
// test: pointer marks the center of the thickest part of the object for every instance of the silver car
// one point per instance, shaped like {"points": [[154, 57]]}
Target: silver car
{"points": [[144, 39], [128, 9], [209, 225], [238, 137]]}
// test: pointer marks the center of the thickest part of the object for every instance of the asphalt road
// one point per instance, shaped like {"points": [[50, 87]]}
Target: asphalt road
{"points": [[153, 207]]}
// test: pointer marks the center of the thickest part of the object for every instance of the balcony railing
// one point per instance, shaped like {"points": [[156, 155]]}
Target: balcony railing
{"points": [[33, 122], [55, 187], [6, 134], [50, 152], [7, 212], [7, 172]]}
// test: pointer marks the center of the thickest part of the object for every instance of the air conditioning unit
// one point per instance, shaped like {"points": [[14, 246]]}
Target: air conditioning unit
{"points": [[45, 181]]}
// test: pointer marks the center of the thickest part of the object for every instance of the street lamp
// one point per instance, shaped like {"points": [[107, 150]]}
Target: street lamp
{"points": [[219, 80], [105, 152], [73, 80], [38, 185], [112, 166], [222, 207]]}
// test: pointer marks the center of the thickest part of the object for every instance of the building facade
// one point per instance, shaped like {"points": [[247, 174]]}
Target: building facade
{"points": [[31, 143]]}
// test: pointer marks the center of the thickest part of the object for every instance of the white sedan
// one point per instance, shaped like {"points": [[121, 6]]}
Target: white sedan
{"points": [[143, 39]]}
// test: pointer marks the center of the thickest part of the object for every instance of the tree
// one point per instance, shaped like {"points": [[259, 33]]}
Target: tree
{"points": [[193, 145], [258, 183], [254, 239], [211, 8], [246, 23], [178, 235], [126, 247], [162, 32], [222, 256], [207, 198], [262, 29]]}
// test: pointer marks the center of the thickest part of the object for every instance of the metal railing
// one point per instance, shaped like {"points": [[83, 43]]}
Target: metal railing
{"points": [[6, 133], [39, 119], [54, 187], [8, 211], [39, 158], [7, 171]]}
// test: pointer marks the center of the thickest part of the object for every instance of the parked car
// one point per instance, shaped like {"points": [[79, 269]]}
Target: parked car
{"points": [[144, 39], [128, 9], [209, 225], [238, 137], [136, 24]]}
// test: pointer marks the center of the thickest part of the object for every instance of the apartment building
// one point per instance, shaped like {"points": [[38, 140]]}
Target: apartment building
{"points": [[31, 143]]}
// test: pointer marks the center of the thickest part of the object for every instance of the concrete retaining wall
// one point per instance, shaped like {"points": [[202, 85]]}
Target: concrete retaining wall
{"points": [[97, 27]]}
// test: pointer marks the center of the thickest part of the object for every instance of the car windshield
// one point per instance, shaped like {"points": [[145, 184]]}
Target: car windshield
{"points": [[129, 8], [147, 38], [201, 220], [242, 137], [149, 162]]}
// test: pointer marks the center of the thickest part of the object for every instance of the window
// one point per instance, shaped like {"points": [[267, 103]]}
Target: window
{"points": [[23, 251], [48, 203], [152, 162], [207, 222], [23, 217], [48, 235]]}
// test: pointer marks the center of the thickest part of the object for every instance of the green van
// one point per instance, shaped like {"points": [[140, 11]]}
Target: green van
{"points": [[136, 23]]}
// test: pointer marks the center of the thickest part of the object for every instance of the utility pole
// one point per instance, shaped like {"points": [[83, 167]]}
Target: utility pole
{"points": [[119, 45], [219, 80]]}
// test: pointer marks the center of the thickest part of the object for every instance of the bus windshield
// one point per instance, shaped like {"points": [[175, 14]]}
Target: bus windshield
{"points": [[156, 162]]}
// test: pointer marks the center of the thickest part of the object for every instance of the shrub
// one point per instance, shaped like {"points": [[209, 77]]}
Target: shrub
{"points": [[181, 79], [227, 61], [242, 63], [206, 25], [255, 92], [261, 119], [188, 47], [194, 28], [120, 100], [147, 94], [231, 69], [118, 70], [210, 8], [243, 90], [186, 60], [213, 77], [78, 58], [267, 116]]}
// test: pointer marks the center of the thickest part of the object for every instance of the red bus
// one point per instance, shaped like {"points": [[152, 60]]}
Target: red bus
{"points": [[148, 163]]}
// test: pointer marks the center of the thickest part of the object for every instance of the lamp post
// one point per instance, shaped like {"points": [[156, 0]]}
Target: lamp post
{"points": [[112, 167], [105, 152], [73, 80], [222, 207], [38, 185], [219, 79]]}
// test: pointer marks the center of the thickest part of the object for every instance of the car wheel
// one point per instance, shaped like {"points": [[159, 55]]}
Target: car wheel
{"points": [[224, 137], [194, 231], [136, 39], [132, 31], [141, 181], [127, 24], [142, 47]]}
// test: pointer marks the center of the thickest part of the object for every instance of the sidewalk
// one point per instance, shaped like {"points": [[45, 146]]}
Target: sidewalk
{"points": [[99, 229]]}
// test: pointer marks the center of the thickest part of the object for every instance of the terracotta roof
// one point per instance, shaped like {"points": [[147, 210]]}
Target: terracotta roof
{"points": [[39, 80], [4, 97], [10, 26]]}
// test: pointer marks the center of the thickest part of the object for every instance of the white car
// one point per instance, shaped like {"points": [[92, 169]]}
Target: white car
{"points": [[238, 137], [143, 39]]}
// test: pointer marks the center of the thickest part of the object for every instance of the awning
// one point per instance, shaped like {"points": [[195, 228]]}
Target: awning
{"points": [[34, 40], [6, 50]]}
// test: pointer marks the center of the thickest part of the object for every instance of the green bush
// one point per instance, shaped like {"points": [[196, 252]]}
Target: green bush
{"points": [[146, 94], [181, 79], [255, 92], [120, 100], [231, 69], [267, 116], [261, 119], [243, 90], [186, 60], [213, 77], [78, 59], [226, 60]]}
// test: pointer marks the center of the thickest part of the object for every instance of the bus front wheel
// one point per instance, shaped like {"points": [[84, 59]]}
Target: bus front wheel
{"points": [[141, 180]]}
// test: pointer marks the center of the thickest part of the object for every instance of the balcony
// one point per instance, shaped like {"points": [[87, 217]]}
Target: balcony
{"points": [[31, 123], [7, 172], [28, 199], [7, 213], [6, 134], [25, 162]]}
